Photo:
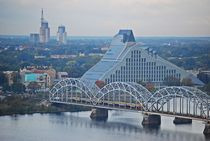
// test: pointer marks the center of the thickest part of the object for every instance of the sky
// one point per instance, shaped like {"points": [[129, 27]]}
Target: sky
{"points": [[106, 17]]}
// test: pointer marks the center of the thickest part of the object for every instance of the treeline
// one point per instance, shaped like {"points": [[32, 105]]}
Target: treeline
{"points": [[18, 104], [15, 87]]}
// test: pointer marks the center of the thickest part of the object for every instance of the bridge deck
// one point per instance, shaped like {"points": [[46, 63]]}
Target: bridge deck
{"points": [[134, 109]]}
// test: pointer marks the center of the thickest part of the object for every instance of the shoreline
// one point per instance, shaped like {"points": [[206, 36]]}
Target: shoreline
{"points": [[58, 112], [17, 105]]}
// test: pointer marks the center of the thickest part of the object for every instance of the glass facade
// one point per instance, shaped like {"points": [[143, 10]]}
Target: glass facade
{"points": [[128, 61]]}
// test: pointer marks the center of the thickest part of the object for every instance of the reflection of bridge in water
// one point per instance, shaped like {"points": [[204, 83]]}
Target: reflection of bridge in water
{"points": [[122, 124], [183, 102]]}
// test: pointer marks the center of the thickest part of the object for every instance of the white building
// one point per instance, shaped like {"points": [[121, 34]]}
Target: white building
{"points": [[61, 35], [34, 38], [44, 35], [128, 61], [62, 75]]}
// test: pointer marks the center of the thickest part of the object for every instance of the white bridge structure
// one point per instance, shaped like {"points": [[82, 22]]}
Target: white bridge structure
{"points": [[178, 101]]}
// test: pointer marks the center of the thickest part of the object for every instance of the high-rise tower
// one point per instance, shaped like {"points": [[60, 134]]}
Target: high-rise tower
{"points": [[61, 35], [44, 30]]}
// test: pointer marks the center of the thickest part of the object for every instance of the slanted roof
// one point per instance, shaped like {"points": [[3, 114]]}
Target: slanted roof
{"points": [[111, 58], [97, 71], [195, 80], [127, 35]]}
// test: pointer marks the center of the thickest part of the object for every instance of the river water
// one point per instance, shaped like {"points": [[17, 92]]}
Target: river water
{"points": [[122, 126]]}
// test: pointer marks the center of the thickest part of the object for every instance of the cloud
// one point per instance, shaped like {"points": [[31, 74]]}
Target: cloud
{"points": [[105, 17]]}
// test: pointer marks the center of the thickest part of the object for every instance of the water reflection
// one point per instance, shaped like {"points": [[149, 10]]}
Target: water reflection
{"points": [[123, 126], [76, 121]]}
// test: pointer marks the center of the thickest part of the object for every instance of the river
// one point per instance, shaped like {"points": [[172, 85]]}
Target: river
{"points": [[122, 126]]}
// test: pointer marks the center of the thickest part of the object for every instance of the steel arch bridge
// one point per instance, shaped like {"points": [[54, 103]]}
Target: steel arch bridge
{"points": [[179, 101]]}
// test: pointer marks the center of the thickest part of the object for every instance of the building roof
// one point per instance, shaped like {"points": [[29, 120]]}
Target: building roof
{"points": [[33, 77], [62, 73], [195, 80], [120, 46], [112, 56], [127, 35]]}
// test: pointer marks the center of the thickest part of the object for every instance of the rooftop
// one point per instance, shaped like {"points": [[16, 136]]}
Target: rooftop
{"points": [[112, 56]]}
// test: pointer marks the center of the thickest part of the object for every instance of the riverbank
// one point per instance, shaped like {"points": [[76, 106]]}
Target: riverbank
{"points": [[19, 104]]}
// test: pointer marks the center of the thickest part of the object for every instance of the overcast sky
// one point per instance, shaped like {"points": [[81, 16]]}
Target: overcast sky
{"points": [[106, 17]]}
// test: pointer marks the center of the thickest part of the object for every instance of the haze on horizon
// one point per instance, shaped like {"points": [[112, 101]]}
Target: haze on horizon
{"points": [[106, 17]]}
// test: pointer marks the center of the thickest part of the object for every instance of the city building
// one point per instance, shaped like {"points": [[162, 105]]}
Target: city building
{"points": [[39, 78], [61, 35], [44, 35], [34, 38], [58, 56], [129, 61], [204, 76], [10, 76], [81, 54], [43, 76], [62, 75]]}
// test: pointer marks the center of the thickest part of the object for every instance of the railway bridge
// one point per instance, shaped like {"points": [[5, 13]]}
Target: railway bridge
{"points": [[182, 102]]}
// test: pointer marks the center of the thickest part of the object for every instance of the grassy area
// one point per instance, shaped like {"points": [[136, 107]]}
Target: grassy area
{"points": [[30, 104]]}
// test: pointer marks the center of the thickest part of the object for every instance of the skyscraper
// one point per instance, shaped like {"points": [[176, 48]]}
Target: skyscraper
{"points": [[44, 30], [61, 35], [34, 38]]}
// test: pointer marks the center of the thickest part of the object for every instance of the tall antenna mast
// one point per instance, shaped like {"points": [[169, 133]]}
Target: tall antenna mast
{"points": [[42, 16]]}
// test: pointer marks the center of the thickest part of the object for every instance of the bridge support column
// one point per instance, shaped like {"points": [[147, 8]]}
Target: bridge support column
{"points": [[178, 120], [206, 130], [99, 114], [151, 120]]}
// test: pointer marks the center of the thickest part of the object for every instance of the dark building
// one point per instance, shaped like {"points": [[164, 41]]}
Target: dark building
{"points": [[204, 76]]}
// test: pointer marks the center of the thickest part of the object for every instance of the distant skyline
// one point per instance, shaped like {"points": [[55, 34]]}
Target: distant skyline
{"points": [[106, 17]]}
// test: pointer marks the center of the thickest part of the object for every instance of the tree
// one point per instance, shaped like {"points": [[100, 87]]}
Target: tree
{"points": [[18, 87], [206, 88], [4, 82], [141, 83], [100, 83], [187, 82], [3, 79], [171, 81], [150, 86], [33, 86], [16, 77]]}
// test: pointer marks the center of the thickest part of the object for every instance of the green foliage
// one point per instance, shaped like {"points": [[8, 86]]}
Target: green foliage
{"points": [[3, 79], [80, 65], [206, 88], [171, 81], [16, 77], [4, 82], [186, 82], [29, 104], [141, 83], [34, 86], [18, 87]]}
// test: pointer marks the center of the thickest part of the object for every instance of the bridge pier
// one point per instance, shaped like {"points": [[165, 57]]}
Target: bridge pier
{"points": [[178, 120], [99, 114], [206, 130], [151, 120]]}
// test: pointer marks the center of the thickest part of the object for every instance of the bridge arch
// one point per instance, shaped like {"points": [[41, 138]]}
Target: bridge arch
{"points": [[187, 94], [122, 94], [71, 90]]}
